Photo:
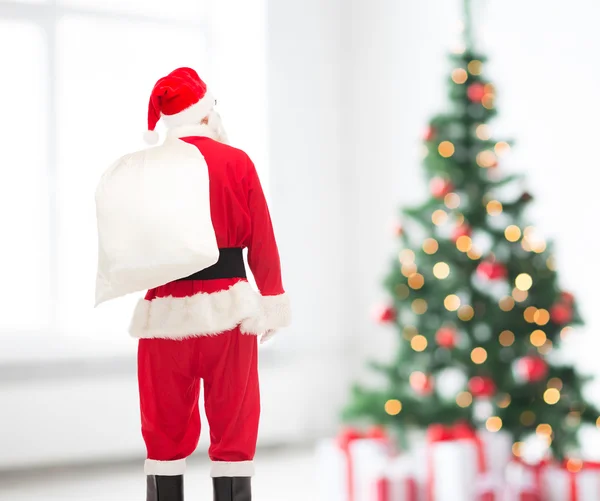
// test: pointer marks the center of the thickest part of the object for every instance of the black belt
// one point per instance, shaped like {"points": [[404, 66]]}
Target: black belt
{"points": [[229, 265]]}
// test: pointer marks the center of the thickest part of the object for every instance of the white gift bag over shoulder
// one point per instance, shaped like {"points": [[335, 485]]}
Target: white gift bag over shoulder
{"points": [[154, 221]]}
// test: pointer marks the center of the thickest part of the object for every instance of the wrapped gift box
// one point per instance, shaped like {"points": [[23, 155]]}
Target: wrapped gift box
{"points": [[398, 481], [350, 465]]}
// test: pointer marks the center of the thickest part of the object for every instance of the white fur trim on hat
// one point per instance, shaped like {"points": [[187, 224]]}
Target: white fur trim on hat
{"points": [[192, 115]]}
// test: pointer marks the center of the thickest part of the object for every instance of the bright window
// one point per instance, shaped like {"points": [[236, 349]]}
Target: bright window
{"points": [[81, 72]]}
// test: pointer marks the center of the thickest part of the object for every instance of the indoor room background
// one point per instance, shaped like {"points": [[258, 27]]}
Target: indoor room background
{"points": [[330, 98]]}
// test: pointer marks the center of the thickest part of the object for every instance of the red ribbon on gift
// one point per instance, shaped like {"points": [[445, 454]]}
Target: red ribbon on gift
{"points": [[345, 439], [573, 471], [538, 486], [383, 489], [460, 431]]}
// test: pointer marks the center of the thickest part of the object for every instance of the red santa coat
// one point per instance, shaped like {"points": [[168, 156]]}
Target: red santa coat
{"points": [[240, 218]]}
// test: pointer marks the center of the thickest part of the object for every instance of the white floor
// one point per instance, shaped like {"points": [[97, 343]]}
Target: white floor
{"points": [[283, 475]]}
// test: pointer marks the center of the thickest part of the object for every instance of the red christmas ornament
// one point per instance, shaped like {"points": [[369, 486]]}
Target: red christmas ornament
{"points": [[421, 384], [526, 197], [482, 386], [475, 92], [463, 230], [440, 187], [531, 369], [398, 230], [490, 270], [385, 314], [446, 337], [429, 134], [567, 298], [561, 313]]}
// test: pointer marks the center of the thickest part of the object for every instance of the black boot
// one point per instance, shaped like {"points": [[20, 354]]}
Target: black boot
{"points": [[163, 488], [232, 489]]}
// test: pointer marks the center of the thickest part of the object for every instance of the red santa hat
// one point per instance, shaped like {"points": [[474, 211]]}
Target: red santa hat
{"points": [[180, 98]]}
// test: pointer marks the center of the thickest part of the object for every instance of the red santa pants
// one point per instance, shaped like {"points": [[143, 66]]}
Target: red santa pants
{"points": [[169, 373]]}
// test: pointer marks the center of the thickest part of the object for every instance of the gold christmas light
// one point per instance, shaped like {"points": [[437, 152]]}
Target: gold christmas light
{"points": [[507, 303], [493, 424], [519, 295], [529, 314], [551, 396], [416, 281], [537, 338], [516, 448], [430, 246], [486, 159], [494, 208], [466, 313], [475, 67], [527, 418], [452, 302], [483, 132], [541, 317], [502, 148], [409, 332], [538, 246], [464, 399], [419, 306], [506, 338], [555, 382], [478, 355], [574, 465], [418, 343], [459, 76], [408, 269], [474, 254], [489, 89], [439, 217], [459, 219], [393, 407], [524, 282], [402, 291], [488, 101], [452, 201], [503, 401], [598, 422], [551, 263], [512, 233], [464, 243], [441, 270], [446, 149], [564, 333], [406, 256], [544, 429]]}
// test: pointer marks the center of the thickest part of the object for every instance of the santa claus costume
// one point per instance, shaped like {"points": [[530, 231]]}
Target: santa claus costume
{"points": [[201, 319]]}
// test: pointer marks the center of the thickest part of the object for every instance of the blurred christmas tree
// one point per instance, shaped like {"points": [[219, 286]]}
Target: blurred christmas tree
{"points": [[476, 299]]}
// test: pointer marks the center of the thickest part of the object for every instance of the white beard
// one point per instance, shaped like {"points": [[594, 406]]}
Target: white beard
{"points": [[216, 125]]}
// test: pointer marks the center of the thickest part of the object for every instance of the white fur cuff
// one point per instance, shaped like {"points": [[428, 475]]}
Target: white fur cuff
{"points": [[164, 468], [275, 313], [232, 469]]}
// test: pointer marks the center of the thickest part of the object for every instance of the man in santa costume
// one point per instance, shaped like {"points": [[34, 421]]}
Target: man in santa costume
{"points": [[207, 325]]}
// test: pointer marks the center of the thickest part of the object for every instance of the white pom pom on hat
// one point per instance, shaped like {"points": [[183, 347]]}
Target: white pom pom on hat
{"points": [[151, 137]]}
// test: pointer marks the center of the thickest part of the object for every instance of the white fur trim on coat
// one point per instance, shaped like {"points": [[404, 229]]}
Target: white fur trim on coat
{"points": [[164, 468], [192, 115], [232, 469], [205, 314]]}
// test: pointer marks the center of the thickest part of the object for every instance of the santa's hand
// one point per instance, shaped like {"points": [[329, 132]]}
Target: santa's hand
{"points": [[267, 335]]}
